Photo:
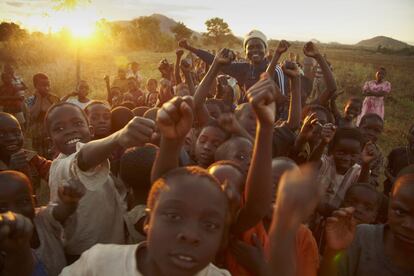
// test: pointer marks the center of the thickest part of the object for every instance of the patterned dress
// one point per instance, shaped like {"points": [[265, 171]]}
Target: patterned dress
{"points": [[374, 104]]}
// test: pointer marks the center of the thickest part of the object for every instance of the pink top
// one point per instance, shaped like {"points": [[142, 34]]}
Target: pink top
{"points": [[373, 86]]}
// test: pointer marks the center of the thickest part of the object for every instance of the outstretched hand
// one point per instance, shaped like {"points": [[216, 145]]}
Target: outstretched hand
{"points": [[136, 133], [175, 118], [340, 229], [311, 50], [262, 97]]}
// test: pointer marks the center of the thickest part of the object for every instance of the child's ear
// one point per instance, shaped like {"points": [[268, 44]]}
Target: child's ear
{"points": [[92, 130], [146, 221]]}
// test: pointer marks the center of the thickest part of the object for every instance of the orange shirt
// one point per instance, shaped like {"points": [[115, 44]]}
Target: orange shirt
{"points": [[307, 255]]}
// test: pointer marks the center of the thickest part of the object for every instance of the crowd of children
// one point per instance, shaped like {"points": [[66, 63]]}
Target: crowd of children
{"points": [[224, 166]]}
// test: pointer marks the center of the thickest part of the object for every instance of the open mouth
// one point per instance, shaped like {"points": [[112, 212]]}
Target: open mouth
{"points": [[72, 141], [183, 261]]}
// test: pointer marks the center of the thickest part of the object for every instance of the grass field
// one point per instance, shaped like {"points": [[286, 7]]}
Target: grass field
{"points": [[351, 68]]}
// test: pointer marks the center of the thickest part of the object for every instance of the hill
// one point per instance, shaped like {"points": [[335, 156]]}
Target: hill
{"points": [[384, 42]]}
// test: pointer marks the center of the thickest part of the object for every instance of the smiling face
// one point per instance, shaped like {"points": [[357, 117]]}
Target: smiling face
{"points": [[15, 194], [207, 143], [255, 50], [401, 211], [67, 125], [365, 202], [186, 226], [345, 153], [99, 117], [11, 136], [352, 109]]}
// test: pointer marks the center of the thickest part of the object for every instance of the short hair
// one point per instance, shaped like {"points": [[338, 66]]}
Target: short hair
{"points": [[370, 116], [39, 76], [308, 109], [140, 110], [6, 175], [346, 133], [225, 146], [152, 80], [162, 183], [367, 187], [61, 104], [229, 163], [215, 123], [95, 102], [135, 167], [120, 116]]}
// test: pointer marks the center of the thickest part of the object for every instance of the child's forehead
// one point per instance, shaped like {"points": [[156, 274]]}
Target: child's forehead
{"points": [[13, 185], [56, 113], [6, 121], [99, 107]]}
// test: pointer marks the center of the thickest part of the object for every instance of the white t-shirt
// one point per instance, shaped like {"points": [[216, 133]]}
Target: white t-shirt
{"points": [[119, 260], [75, 101], [99, 216]]}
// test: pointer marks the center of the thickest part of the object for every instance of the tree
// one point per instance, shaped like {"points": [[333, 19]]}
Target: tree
{"points": [[11, 31], [181, 31], [217, 30], [148, 32]]}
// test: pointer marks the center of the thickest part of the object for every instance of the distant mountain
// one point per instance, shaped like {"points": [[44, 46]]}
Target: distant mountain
{"points": [[166, 24], [385, 42]]}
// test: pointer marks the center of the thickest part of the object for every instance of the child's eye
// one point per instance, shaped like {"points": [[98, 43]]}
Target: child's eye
{"points": [[58, 129], [173, 216], [80, 123], [211, 226], [399, 212]]}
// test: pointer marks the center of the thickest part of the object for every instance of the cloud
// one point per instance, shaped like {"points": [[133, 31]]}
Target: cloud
{"points": [[16, 4]]}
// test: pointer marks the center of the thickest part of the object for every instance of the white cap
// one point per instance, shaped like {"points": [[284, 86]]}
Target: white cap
{"points": [[255, 34]]}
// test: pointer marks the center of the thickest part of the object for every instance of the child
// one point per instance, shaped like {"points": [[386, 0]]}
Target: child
{"points": [[38, 106], [338, 170], [371, 126], [186, 225], [209, 139], [80, 97], [86, 160], [121, 81], [352, 110], [99, 116], [14, 157], [237, 149], [398, 159], [12, 97], [374, 92], [16, 196], [365, 200], [374, 249], [135, 173]]}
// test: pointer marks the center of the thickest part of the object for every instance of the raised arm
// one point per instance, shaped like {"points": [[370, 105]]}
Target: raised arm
{"points": [[186, 69], [258, 191], [179, 53], [224, 56], [282, 47], [108, 90], [327, 134], [297, 197], [295, 107], [136, 133], [311, 50], [174, 121]]}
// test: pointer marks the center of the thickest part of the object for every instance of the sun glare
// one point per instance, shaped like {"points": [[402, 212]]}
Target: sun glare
{"points": [[81, 22]]}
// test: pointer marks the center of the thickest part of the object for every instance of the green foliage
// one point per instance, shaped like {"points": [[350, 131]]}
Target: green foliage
{"points": [[181, 31], [11, 31], [217, 31]]}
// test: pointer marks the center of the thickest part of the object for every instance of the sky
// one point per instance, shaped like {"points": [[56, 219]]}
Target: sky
{"points": [[344, 21]]}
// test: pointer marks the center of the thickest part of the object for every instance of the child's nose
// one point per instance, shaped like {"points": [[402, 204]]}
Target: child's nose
{"points": [[189, 235]]}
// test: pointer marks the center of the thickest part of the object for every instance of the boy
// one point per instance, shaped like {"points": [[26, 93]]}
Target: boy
{"points": [[352, 110], [13, 157], [374, 249], [186, 225], [135, 173], [366, 202], [16, 196], [85, 160], [237, 149], [99, 116], [38, 106], [371, 126]]}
